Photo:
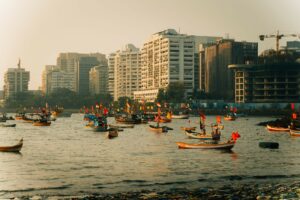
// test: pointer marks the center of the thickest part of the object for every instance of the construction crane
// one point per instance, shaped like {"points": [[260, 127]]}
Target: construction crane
{"points": [[278, 37]]}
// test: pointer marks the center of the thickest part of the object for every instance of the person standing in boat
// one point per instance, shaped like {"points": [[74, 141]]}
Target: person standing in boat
{"points": [[202, 123], [215, 134]]}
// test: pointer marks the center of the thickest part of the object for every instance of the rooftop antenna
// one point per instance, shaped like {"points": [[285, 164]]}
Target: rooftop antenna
{"points": [[19, 63], [227, 36]]}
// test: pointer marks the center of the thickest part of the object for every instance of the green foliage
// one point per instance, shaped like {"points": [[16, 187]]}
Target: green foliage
{"points": [[175, 93], [61, 97]]}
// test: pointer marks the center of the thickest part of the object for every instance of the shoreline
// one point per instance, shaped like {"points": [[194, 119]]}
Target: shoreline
{"points": [[195, 113], [234, 192]]}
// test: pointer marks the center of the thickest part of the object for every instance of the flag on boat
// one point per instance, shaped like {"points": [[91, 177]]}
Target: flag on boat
{"points": [[292, 106], [234, 109], [202, 117], [218, 118]]}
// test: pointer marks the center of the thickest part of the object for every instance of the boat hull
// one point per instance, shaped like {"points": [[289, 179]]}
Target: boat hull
{"points": [[221, 146], [180, 116], [295, 133], [188, 128], [112, 134], [14, 148], [158, 129], [277, 129], [121, 126], [200, 136], [8, 125], [229, 118], [41, 123]]}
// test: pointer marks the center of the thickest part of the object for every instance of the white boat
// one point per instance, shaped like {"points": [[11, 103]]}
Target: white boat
{"points": [[121, 126], [277, 129], [223, 145], [294, 132], [195, 135], [183, 116]]}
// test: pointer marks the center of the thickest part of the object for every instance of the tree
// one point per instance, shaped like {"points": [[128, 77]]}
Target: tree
{"points": [[161, 96], [175, 92]]}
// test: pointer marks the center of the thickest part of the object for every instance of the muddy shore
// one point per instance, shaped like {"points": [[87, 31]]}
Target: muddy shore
{"points": [[232, 192]]}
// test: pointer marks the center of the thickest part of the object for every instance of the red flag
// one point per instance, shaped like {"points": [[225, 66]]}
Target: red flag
{"points": [[294, 116], [203, 117], [234, 110], [105, 111], [292, 106], [218, 118]]}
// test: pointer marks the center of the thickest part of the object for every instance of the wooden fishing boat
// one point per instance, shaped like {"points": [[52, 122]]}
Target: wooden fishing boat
{"points": [[112, 133], [18, 118], [164, 120], [182, 116], [41, 123], [8, 125], [99, 128], [128, 119], [222, 145], [277, 129], [188, 128], [195, 135], [121, 126], [14, 148], [229, 118], [294, 132], [159, 129]]}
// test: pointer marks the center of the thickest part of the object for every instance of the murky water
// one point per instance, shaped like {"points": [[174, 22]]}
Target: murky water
{"points": [[69, 159]]}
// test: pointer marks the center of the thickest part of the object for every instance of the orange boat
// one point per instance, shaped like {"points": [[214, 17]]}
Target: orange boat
{"points": [[14, 148], [229, 118], [277, 129]]}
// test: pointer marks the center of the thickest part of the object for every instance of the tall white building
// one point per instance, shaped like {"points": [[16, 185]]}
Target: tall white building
{"points": [[124, 72], [15, 80], [169, 57], [98, 80]]}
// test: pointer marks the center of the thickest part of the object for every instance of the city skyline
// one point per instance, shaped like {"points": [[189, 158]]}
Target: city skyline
{"points": [[37, 31]]}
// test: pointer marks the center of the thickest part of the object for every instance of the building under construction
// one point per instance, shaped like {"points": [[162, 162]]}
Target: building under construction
{"points": [[276, 79]]}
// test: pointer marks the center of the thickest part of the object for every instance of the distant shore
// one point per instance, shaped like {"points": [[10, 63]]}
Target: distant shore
{"points": [[242, 112], [232, 192]]}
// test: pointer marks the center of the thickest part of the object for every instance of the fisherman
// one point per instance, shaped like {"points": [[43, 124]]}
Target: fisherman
{"points": [[215, 134]]}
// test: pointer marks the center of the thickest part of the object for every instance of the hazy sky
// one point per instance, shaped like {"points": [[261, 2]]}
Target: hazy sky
{"points": [[38, 30]]}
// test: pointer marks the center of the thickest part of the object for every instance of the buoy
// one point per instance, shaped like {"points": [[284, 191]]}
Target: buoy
{"points": [[270, 145]]}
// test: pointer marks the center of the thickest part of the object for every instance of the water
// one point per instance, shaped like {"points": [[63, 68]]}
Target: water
{"points": [[69, 159]]}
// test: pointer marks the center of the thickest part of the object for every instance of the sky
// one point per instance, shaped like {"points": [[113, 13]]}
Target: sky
{"points": [[36, 31]]}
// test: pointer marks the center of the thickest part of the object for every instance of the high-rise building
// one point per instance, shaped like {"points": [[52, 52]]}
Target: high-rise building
{"points": [[111, 74], [15, 80], [85, 64], [98, 80], [293, 44], [54, 78], [78, 66], [124, 68], [218, 79], [274, 79], [169, 57]]}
